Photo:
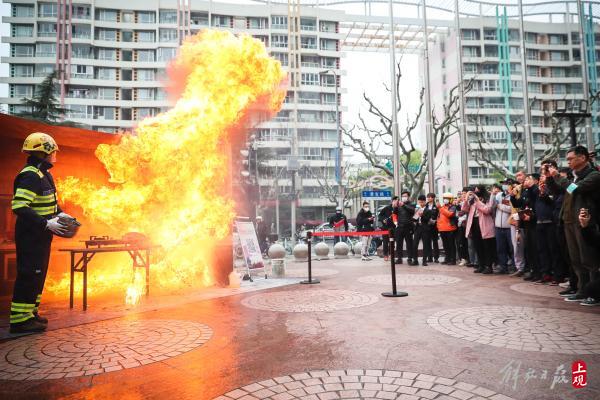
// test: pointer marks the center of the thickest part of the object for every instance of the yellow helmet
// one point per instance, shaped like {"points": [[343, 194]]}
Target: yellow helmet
{"points": [[39, 141]]}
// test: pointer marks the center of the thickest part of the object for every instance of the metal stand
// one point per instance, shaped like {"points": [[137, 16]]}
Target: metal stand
{"points": [[394, 292], [310, 280]]}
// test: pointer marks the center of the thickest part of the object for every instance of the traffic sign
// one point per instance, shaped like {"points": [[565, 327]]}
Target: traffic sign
{"points": [[377, 194]]}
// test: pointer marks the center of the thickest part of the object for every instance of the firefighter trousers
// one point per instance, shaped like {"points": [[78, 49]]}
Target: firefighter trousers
{"points": [[33, 257]]}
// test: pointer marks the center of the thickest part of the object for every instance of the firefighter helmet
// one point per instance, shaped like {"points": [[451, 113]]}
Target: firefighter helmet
{"points": [[39, 141]]}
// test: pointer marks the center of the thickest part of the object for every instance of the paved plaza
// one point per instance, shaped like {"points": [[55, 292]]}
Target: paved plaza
{"points": [[457, 335]]}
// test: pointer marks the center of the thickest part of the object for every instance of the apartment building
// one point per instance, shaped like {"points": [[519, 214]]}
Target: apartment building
{"points": [[114, 57]]}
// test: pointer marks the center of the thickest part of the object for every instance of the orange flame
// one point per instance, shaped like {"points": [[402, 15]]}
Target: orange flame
{"points": [[168, 179]]}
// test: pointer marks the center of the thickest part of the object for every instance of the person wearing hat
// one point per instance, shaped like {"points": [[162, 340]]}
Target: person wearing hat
{"points": [[339, 223], [35, 204]]}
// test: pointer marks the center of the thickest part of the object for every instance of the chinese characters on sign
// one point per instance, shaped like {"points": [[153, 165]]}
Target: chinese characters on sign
{"points": [[377, 194], [513, 372]]}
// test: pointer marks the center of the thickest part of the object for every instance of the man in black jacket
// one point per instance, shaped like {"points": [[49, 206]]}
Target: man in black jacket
{"points": [[404, 228], [583, 192], [422, 216], [433, 253], [339, 223], [385, 218], [364, 223], [527, 224]]}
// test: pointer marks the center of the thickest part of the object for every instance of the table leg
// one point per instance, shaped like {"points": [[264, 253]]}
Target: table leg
{"points": [[147, 272], [85, 264], [72, 279]]}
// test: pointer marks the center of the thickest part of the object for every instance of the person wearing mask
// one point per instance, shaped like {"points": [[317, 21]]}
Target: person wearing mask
{"points": [[262, 232], [446, 225], [422, 217], [404, 228], [583, 192], [502, 227], [562, 264], [434, 251], [386, 218], [514, 191], [526, 230], [480, 227], [364, 223], [339, 223]]}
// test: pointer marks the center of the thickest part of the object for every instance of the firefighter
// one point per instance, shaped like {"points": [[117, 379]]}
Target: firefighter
{"points": [[37, 211]]}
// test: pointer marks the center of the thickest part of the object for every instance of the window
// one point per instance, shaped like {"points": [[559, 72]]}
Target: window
{"points": [[309, 135], [146, 36], [470, 68], [328, 98], [79, 93], [533, 54], [167, 35], [310, 79], [44, 69], [45, 49], [279, 41], [79, 51], [81, 12], [22, 30], [127, 36], [106, 73], [21, 50], [166, 53], [308, 42], [309, 98], [328, 80], [167, 16], [145, 75], [21, 71], [146, 17], [559, 88], [329, 62], [533, 71], [515, 68], [517, 86], [558, 56], [107, 93], [106, 15], [107, 54], [47, 10], [515, 51], [329, 44], [279, 22], [329, 116], [145, 94], [490, 68], [557, 39], [557, 72], [223, 21], [257, 23], [106, 34], [78, 111], [82, 71], [328, 26], [199, 18], [282, 57], [534, 87], [21, 90], [81, 32], [470, 34], [145, 55], [471, 51], [489, 34], [104, 113], [307, 24], [491, 51], [144, 113], [22, 11], [490, 85]]}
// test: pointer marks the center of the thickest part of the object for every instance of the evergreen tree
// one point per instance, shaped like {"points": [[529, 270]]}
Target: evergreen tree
{"points": [[43, 106]]}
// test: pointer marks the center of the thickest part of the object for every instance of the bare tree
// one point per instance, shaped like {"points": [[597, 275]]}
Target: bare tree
{"points": [[330, 191], [373, 140], [484, 151]]}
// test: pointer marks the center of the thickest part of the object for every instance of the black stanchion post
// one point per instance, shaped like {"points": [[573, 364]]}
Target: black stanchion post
{"points": [[394, 292], [310, 280]]}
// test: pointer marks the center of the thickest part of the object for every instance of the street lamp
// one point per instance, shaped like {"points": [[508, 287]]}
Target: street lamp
{"points": [[575, 111], [338, 160]]}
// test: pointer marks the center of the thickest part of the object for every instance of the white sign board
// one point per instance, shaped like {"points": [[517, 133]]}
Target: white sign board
{"points": [[249, 242]]}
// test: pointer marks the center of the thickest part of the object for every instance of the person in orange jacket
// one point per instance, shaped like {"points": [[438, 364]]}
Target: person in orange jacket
{"points": [[447, 226]]}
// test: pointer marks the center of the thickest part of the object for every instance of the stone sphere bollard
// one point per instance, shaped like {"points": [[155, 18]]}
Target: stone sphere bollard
{"points": [[341, 250], [300, 252], [322, 250], [357, 248], [276, 251]]}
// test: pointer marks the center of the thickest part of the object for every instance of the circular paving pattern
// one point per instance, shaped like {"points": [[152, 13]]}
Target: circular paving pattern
{"points": [[310, 300], [537, 290], [363, 384], [97, 348], [410, 279], [303, 272], [523, 328]]}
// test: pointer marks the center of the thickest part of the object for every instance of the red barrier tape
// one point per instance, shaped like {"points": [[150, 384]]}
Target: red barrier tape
{"points": [[370, 233]]}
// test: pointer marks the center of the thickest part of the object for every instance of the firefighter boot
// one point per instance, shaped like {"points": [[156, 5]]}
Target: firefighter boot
{"points": [[29, 326]]}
